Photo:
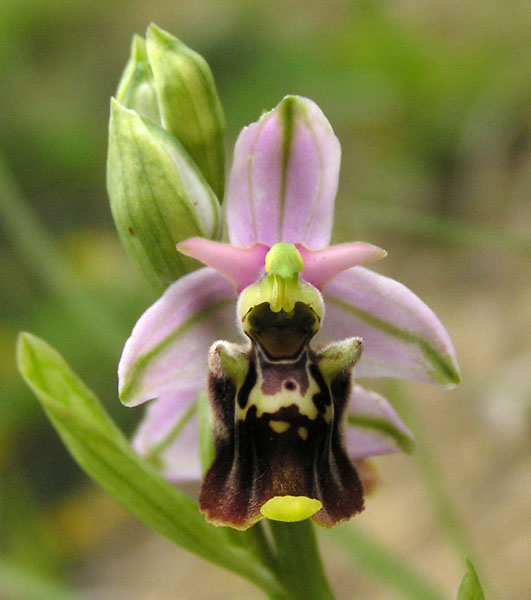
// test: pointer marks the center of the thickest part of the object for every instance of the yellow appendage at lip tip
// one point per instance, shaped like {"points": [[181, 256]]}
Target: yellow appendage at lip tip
{"points": [[290, 508]]}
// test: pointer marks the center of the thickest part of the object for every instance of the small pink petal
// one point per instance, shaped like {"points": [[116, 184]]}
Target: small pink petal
{"points": [[402, 337], [173, 449], [243, 266], [284, 176], [168, 348], [321, 265], [368, 439]]}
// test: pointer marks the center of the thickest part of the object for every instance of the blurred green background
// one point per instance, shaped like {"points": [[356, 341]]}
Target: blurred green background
{"points": [[431, 102]]}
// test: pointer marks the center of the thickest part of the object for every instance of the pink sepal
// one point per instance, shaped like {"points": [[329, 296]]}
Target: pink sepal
{"points": [[243, 266], [321, 265]]}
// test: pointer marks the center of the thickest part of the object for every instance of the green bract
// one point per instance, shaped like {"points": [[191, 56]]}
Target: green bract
{"points": [[158, 196], [165, 159], [470, 588], [189, 104]]}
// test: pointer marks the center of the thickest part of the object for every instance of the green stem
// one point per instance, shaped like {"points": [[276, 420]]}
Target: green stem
{"points": [[299, 562], [384, 565], [40, 254]]}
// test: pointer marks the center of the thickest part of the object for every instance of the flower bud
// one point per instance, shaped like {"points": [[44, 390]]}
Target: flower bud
{"points": [[136, 89], [189, 105], [158, 196]]}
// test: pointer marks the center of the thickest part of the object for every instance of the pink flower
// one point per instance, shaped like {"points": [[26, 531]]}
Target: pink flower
{"points": [[282, 188]]}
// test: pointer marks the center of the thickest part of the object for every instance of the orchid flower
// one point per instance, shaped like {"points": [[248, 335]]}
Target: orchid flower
{"points": [[275, 326]]}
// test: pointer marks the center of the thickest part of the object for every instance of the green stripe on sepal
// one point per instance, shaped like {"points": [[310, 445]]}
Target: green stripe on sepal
{"points": [[384, 428], [129, 389], [442, 369], [154, 454], [189, 104], [158, 196], [286, 109]]}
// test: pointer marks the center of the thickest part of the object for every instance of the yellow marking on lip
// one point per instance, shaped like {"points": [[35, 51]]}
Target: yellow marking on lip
{"points": [[303, 433], [290, 508], [266, 403], [279, 426]]}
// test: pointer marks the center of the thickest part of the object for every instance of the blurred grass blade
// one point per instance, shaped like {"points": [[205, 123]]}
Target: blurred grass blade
{"points": [[39, 253], [386, 567], [432, 477], [104, 453], [470, 588], [17, 582], [403, 219]]}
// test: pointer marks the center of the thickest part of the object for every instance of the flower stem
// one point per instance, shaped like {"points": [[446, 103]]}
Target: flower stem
{"points": [[299, 562]]}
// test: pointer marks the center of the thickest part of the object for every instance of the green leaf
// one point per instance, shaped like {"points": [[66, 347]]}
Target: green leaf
{"points": [[158, 196], [470, 588], [189, 103], [104, 453]]}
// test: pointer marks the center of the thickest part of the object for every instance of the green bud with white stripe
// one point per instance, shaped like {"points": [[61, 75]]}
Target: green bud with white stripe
{"points": [[136, 89], [158, 195], [190, 108]]}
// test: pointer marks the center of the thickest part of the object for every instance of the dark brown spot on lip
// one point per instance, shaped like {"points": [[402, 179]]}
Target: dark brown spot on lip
{"points": [[275, 374], [290, 385], [130, 229]]}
